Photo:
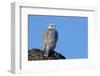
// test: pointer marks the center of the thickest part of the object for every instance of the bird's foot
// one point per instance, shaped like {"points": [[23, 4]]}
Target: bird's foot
{"points": [[45, 56]]}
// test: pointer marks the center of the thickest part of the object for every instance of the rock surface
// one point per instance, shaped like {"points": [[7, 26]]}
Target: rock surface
{"points": [[38, 54]]}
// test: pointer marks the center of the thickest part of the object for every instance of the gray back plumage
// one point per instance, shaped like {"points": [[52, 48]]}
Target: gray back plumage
{"points": [[50, 38]]}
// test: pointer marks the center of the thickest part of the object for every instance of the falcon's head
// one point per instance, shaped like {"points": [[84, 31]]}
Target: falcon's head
{"points": [[52, 26]]}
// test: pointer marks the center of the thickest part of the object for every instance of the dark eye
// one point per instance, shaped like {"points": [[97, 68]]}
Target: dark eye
{"points": [[51, 25]]}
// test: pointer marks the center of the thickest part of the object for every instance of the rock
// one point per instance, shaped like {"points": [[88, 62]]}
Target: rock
{"points": [[38, 54]]}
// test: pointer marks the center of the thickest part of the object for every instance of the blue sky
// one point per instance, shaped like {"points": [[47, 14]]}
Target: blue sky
{"points": [[72, 31]]}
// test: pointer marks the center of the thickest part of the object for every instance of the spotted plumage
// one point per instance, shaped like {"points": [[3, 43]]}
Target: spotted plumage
{"points": [[50, 38]]}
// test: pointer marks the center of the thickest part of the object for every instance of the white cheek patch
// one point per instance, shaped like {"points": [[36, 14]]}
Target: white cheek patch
{"points": [[49, 27]]}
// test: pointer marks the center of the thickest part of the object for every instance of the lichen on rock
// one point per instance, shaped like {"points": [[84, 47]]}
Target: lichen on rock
{"points": [[38, 54]]}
